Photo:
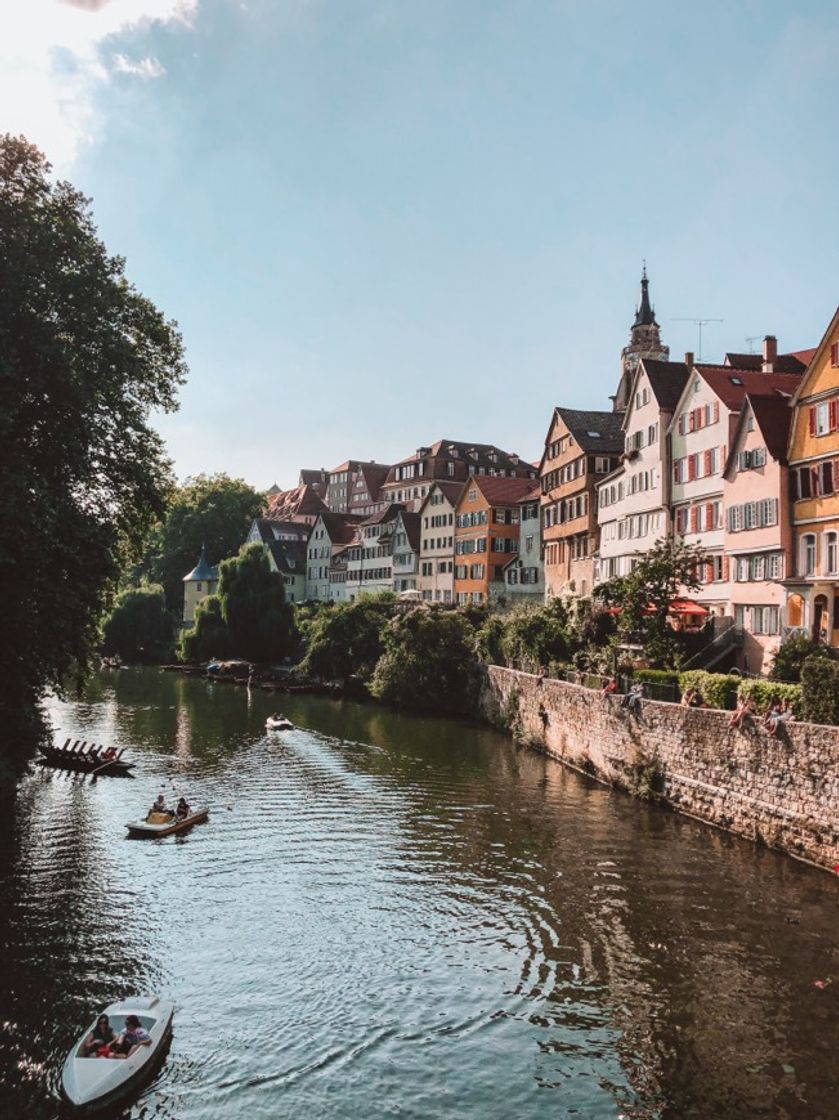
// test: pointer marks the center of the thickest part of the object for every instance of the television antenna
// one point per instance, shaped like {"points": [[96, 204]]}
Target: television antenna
{"points": [[700, 323], [753, 339]]}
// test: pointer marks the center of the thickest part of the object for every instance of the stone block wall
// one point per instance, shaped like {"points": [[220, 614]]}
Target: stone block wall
{"points": [[783, 791]]}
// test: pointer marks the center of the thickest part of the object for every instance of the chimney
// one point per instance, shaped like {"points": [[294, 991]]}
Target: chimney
{"points": [[689, 359], [770, 353]]}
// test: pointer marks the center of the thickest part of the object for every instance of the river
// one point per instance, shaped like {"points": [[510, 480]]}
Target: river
{"points": [[390, 916]]}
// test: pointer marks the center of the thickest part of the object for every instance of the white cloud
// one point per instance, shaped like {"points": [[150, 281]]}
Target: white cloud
{"points": [[141, 68], [51, 64]]}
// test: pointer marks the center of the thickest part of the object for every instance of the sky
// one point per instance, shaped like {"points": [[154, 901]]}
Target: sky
{"points": [[379, 223]]}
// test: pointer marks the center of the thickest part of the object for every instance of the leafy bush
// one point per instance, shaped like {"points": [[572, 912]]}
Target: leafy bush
{"points": [[209, 637], [347, 640], [658, 676], [764, 692], [139, 629], [791, 655], [489, 640], [428, 663], [718, 690], [534, 636], [820, 690]]}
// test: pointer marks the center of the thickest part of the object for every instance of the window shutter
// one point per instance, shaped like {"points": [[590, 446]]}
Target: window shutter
{"points": [[833, 414], [716, 411], [691, 468], [709, 572], [694, 518], [811, 421], [709, 516], [834, 354], [725, 567], [706, 467]]}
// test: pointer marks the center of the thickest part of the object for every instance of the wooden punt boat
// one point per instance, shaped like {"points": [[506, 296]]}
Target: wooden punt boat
{"points": [[164, 824], [85, 757], [94, 1083]]}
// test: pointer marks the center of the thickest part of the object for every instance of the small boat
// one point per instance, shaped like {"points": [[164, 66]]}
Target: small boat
{"points": [[93, 1083], [85, 757], [278, 723], [164, 824]]}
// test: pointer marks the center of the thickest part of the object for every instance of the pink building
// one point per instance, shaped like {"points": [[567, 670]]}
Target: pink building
{"points": [[757, 529]]}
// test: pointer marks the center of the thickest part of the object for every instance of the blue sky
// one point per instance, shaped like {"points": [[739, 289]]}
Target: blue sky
{"points": [[379, 223]]}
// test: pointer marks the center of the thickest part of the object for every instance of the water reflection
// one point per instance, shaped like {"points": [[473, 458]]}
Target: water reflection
{"points": [[407, 916]]}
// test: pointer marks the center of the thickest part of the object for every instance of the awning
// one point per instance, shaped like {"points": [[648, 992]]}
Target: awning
{"points": [[685, 606]]}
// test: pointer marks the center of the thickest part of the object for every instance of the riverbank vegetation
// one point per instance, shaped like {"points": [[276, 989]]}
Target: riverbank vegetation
{"points": [[86, 360]]}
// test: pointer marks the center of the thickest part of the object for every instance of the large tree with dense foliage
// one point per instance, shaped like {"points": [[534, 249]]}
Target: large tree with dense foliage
{"points": [[643, 597], [139, 628], [84, 360], [209, 511], [428, 663], [248, 618], [347, 641]]}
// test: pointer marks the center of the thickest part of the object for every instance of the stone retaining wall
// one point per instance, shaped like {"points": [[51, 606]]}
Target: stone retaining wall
{"points": [[783, 792]]}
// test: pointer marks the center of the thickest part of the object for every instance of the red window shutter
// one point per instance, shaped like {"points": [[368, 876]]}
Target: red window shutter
{"points": [[691, 468], [706, 467], [709, 516], [725, 567], [833, 413], [716, 411], [834, 354], [836, 475], [694, 518], [811, 421], [815, 482], [709, 572], [676, 471]]}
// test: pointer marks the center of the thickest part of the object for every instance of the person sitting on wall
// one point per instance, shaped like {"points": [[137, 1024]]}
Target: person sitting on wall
{"points": [[687, 698], [785, 715], [632, 700], [772, 712], [745, 710], [610, 685]]}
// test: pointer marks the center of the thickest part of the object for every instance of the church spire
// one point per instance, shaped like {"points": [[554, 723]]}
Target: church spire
{"points": [[644, 313]]}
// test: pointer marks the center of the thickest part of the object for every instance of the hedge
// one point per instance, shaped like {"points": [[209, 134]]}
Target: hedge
{"points": [[718, 690], [764, 692], [657, 676], [820, 690]]}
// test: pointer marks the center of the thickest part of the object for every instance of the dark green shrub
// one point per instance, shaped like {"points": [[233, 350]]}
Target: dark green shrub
{"points": [[140, 629], [791, 655], [427, 663], [658, 676], [718, 690], [820, 690], [209, 637], [764, 692]]}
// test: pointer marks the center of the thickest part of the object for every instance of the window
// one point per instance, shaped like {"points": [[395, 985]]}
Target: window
{"points": [[808, 554], [831, 553]]}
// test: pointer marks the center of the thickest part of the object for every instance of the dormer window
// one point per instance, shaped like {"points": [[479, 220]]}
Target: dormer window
{"points": [[593, 435]]}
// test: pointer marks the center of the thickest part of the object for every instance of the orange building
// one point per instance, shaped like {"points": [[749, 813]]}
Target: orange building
{"points": [[486, 533], [812, 602], [581, 448]]}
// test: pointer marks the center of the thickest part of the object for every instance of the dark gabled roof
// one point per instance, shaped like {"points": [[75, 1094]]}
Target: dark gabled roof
{"points": [[270, 527], [451, 490], [594, 431], [202, 570], [485, 455], [263, 526], [300, 501], [773, 415], [795, 362], [289, 556], [384, 515], [374, 475], [340, 526], [667, 381], [411, 521]]}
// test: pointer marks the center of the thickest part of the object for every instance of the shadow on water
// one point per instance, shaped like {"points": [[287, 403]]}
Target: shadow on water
{"points": [[418, 919]]}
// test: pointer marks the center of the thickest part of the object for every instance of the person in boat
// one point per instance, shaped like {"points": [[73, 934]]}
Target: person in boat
{"points": [[109, 755], [183, 810], [160, 806], [101, 1037], [132, 1038]]}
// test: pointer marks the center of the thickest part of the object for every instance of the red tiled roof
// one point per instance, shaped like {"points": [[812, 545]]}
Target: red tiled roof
{"points": [[731, 384], [502, 491]]}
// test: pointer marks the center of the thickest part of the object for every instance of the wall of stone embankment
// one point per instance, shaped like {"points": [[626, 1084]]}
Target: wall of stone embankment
{"points": [[783, 792]]}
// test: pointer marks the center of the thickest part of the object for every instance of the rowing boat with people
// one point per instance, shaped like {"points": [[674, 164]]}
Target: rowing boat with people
{"points": [[166, 823], [88, 758]]}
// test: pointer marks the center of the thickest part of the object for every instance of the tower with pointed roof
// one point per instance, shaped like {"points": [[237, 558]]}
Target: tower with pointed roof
{"points": [[198, 584], [644, 342]]}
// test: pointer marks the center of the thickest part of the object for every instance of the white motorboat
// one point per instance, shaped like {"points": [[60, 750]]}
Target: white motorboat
{"points": [[164, 824], [93, 1083], [278, 723]]}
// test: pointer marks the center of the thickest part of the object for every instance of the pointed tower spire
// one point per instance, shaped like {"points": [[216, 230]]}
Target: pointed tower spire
{"points": [[644, 313]]}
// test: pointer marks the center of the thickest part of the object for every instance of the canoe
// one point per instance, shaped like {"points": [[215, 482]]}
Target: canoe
{"points": [[168, 825], [93, 1083], [84, 757], [278, 723]]}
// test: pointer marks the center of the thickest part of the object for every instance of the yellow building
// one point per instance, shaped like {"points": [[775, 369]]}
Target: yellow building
{"points": [[201, 582], [812, 591]]}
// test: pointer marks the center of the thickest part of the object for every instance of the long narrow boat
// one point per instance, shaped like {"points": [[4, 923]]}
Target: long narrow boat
{"points": [[84, 757], [162, 824], [94, 1083]]}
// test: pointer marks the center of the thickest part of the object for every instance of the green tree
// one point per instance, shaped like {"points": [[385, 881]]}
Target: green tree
{"points": [[139, 628], [428, 663], [84, 360], [208, 637], [254, 608], [820, 690], [211, 511], [643, 597], [792, 653], [347, 641], [535, 636]]}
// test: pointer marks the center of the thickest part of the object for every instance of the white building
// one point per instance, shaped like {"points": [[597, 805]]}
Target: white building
{"points": [[370, 556], [330, 533], [435, 580], [405, 550], [633, 502]]}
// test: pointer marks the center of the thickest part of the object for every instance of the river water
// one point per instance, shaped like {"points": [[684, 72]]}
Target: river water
{"points": [[391, 916]]}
